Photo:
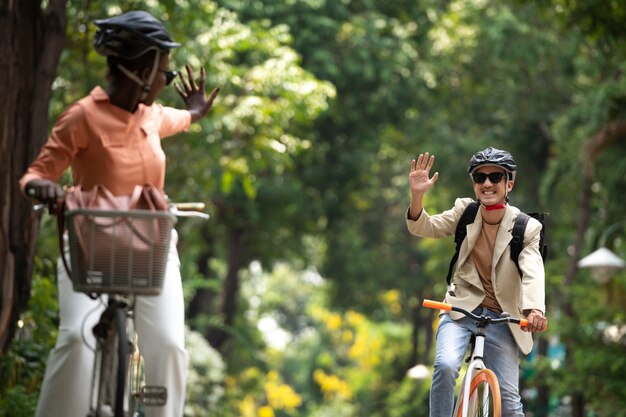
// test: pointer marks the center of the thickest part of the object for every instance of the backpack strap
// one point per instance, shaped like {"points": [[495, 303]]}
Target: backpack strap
{"points": [[517, 243], [519, 229], [467, 217]]}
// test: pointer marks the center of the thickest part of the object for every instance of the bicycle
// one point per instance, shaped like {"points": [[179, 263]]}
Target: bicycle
{"points": [[121, 269], [480, 390]]}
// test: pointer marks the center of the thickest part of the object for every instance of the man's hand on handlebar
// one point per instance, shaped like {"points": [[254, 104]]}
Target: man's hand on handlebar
{"points": [[537, 322]]}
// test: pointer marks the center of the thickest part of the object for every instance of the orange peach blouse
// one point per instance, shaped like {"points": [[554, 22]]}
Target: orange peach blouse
{"points": [[107, 145]]}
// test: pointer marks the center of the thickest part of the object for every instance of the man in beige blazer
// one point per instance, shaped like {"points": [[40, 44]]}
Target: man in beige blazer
{"points": [[486, 280]]}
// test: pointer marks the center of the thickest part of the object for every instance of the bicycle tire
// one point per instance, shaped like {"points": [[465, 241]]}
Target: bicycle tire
{"points": [[484, 396], [113, 367]]}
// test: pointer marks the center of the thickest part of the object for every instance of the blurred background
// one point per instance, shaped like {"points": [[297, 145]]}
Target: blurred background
{"points": [[304, 288]]}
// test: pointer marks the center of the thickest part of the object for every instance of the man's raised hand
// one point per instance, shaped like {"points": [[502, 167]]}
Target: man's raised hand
{"points": [[419, 180]]}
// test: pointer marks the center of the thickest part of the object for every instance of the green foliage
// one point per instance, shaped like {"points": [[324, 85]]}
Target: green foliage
{"points": [[24, 364], [595, 340], [410, 396], [304, 160], [250, 147], [17, 401], [342, 362]]}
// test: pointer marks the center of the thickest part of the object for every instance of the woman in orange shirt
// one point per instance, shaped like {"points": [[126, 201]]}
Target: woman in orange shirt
{"points": [[112, 137]]}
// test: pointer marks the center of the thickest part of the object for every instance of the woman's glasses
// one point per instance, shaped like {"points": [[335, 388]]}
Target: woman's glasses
{"points": [[169, 75], [481, 177]]}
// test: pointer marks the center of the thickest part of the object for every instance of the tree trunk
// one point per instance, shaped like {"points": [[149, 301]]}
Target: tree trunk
{"points": [[31, 41], [202, 301], [237, 242]]}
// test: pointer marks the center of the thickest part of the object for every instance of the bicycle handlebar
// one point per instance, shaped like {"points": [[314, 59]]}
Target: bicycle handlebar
{"points": [[197, 206], [177, 209], [188, 210], [504, 317]]}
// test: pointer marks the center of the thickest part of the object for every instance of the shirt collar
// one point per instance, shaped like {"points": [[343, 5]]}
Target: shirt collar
{"points": [[98, 94]]}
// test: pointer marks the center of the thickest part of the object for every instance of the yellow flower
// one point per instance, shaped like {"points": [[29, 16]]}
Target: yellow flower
{"points": [[266, 411], [347, 336], [392, 299], [281, 396], [354, 318], [391, 296], [366, 349], [333, 321], [247, 406], [331, 385]]}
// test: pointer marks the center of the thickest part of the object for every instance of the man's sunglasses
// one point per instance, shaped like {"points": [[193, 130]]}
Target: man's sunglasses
{"points": [[169, 75], [481, 177]]}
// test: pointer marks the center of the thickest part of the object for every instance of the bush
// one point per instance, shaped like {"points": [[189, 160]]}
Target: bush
{"points": [[205, 378], [24, 364]]}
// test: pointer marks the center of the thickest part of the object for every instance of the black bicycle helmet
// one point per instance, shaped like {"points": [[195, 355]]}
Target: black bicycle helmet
{"points": [[130, 35], [493, 157]]}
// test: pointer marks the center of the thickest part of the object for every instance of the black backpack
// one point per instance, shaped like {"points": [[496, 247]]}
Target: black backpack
{"points": [[519, 228]]}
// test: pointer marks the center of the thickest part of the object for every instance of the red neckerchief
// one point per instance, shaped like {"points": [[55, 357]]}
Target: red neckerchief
{"points": [[495, 207]]}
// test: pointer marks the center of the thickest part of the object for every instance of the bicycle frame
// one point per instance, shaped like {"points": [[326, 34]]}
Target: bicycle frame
{"points": [[115, 323], [476, 358], [476, 364]]}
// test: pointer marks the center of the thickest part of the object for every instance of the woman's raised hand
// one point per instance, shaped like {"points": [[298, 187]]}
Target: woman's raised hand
{"points": [[194, 95]]}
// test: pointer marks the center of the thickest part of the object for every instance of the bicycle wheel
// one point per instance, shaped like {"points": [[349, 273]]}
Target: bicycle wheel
{"points": [[113, 366], [484, 396]]}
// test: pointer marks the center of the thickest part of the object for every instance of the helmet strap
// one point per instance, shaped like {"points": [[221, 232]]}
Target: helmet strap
{"points": [[155, 67], [145, 86]]}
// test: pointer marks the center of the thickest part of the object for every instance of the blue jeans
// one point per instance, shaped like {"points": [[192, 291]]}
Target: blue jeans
{"points": [[501, 356]]}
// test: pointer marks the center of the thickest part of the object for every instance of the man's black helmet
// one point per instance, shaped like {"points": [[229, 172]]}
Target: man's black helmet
{"points": [[493, 157], [130, 35]]}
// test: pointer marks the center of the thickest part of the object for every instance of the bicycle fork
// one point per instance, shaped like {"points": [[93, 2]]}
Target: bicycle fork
{"points": [[475, 364]]}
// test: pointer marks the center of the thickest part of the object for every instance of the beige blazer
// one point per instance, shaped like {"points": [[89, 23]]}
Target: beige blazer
{"points": [[466, 291]]}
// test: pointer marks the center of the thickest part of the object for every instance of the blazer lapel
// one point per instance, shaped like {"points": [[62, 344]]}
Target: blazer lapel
{"points": [[504, 236], [473, 231]]}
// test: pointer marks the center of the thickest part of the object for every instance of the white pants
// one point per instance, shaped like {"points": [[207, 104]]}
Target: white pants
{"points": [[159, 323]]}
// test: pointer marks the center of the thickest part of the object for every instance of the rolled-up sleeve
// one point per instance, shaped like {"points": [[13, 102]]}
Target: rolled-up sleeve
{"points": [[172, 121]]}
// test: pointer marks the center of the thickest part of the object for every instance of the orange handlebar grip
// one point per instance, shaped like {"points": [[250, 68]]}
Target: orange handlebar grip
{"points": [[523, 323], [437, 305]]}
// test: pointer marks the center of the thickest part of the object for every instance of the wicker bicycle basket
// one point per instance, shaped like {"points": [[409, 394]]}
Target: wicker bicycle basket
{"points": [[115, 251]]}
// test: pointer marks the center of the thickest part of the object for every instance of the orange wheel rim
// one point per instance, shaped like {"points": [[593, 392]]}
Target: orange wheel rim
{"points": [[484, 376]]}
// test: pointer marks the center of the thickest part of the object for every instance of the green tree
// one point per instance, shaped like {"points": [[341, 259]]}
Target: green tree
{"points": [[247, 172], [304, 164]]}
